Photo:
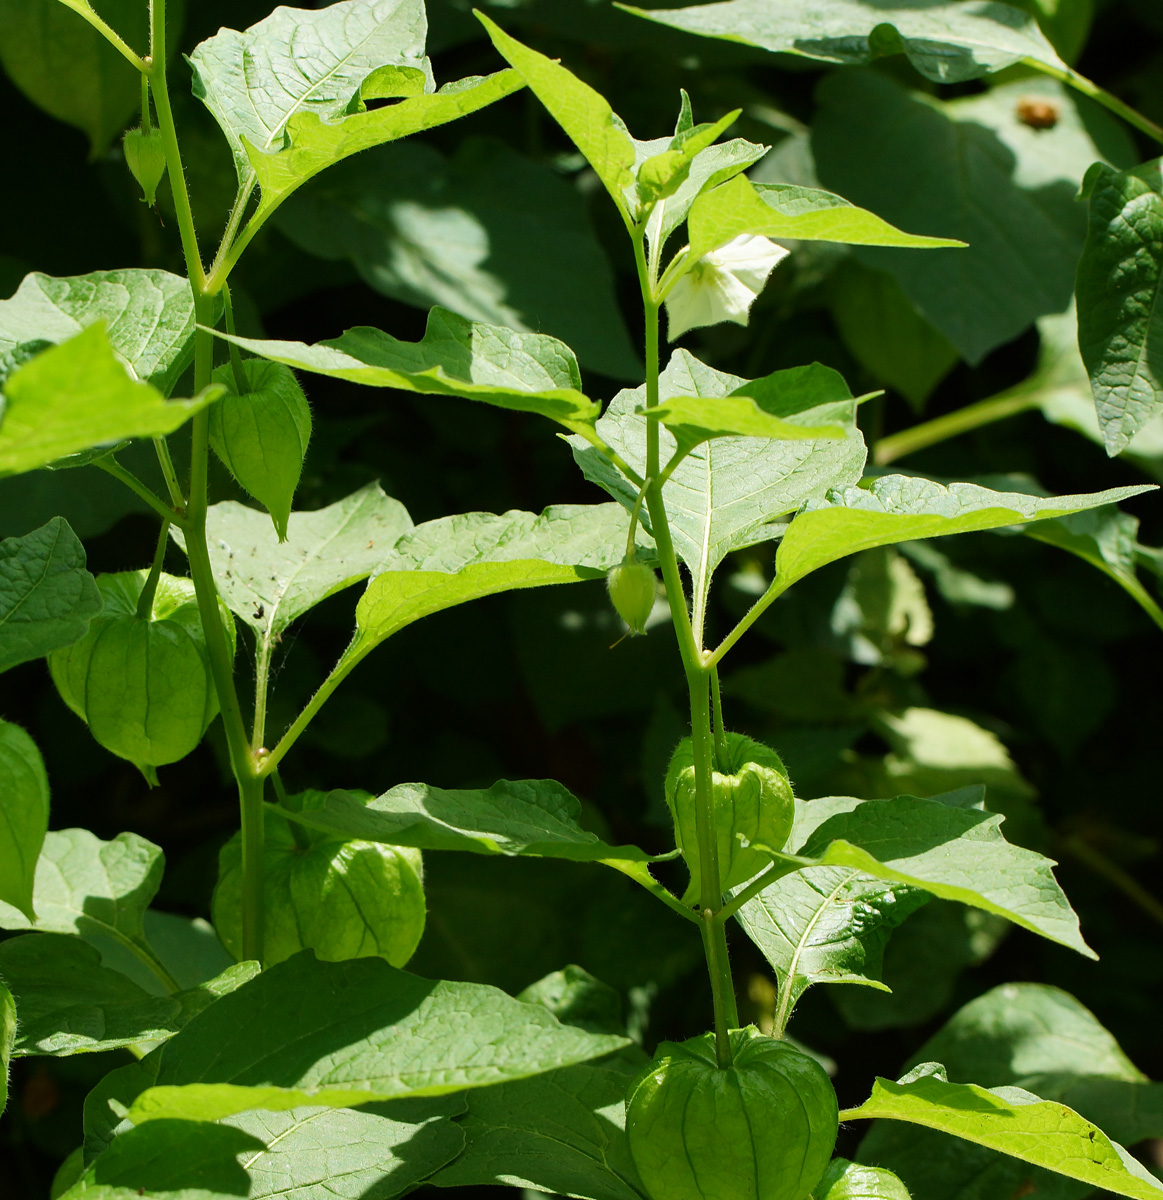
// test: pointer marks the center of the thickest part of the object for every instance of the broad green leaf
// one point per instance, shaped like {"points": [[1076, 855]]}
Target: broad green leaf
{"points": [[844, 1180], [592, 125], [784, 210], [528, 372], [764, 408], [379, 1151], [70, 1003], [575, 997], [23, 816], [1065, 22], [727, 493], [342, 898], [299, 61], [888, 336], [90, 887], [1060, 386], [343, 1034], [1026, 1034], [901, 508], [1015, 1122], [662, 174], [148, 316], [7, 1040], [270, 583], [562, 1132], [968, 168], [946, 41], [78, 395], [47, 598], [316, 143], [1120, 321], [536, 817], [472, 233], [452, 560], [64, 66], [951, 850], [261, 435], [188, 948]]}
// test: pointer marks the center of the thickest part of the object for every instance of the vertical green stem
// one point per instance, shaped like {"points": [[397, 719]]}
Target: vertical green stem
{"points": [[145, 600], [166, 463], [262, 675], [218, 648], [698, 683], [241, 385], [145, 119], [721, 760]]}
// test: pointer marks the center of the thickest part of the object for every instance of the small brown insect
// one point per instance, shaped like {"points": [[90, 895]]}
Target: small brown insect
{"points": [[259, 613], [1037, 113]]}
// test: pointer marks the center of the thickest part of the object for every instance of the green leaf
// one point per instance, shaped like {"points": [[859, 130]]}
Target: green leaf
{"points": [[764, 408], [1015, 1122], [270, 583], [1120, 322], [452, 560], [380, 1151], [148, 315], [592, 125], [536, 817], [727, 494], [299, 61], [1065, 22], [47, 598], [340, 897], [528, 372], [968, 168], [561, 1132], [575, 997], [946, 41], [1029, 1035], [342, 1034], [888, 336], [662, 174], [23, 816], [70, 1003], [472, 233], [844, 1180], [7, 1040], [783, 210], [316, 144], [261, 435], [901, 508], [945, 848], [64, 66], [90, 887], [76, 396]]}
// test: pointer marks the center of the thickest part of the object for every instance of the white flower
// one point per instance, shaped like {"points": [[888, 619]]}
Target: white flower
{"points": [[722, 285]]}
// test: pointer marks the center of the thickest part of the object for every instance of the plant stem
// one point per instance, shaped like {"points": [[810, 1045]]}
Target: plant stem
{"points": [[145, 600], [84, 10], [973, 416], [262, 674], [168, 473], [1080, 83], [241, 384], [112, 467], [774, 591], [721, 761], [223, 261], [219, 652], [698, 684], [177, 173], [761, 883], [145, 119]]}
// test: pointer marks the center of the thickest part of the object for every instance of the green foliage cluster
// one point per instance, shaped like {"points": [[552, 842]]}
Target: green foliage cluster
{"points": [[934, 256]]}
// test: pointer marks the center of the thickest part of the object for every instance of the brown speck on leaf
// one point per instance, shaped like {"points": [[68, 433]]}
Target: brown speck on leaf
{"points": [[1037, 113]]}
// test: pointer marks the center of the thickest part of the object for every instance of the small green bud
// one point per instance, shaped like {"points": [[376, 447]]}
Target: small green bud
{"points": [[753, 797], [633, 588], [763, 1128], [145, 156], [142, 686]]}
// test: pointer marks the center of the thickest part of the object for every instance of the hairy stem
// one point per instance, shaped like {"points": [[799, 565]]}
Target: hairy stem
{"points": [[145, 600], [166, 463], [111, 466], [1080, 83], [85, 10]]}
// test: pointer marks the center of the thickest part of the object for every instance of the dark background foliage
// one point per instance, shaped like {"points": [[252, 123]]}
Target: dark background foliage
{"points": [[1034, 646]]}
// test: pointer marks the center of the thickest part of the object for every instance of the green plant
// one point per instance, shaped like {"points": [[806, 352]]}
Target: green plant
{"points": [[315, 1042]]}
